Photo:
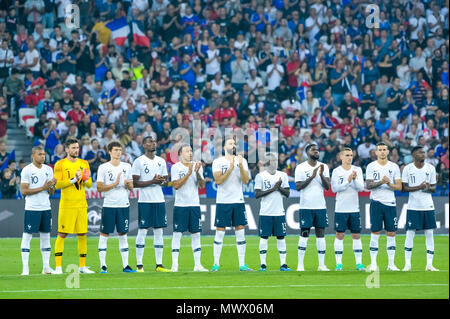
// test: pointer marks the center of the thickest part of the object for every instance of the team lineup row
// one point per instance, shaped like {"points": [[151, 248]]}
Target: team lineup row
{"points": [[149, 173]]}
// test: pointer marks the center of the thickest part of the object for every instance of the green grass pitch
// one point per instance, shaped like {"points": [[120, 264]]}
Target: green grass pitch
{"points": [[228, 282]]}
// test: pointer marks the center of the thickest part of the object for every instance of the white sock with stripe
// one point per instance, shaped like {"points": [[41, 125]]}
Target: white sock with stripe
{"points": [[196, 248], [102, 245], [374, 248], [123, 247], [240, 244], [357, 249], [158, 244], [25, 248], [140, 245], [45, 249], [176, 243], [409, 243], [429, 242], [302, 242], [218, 243], [338, 249], [263, 250], [281, 245], [321, 248], [390, 246]]}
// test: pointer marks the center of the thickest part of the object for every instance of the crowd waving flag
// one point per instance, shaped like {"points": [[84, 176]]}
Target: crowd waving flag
{"points": [[119, 30], [139, 37]]}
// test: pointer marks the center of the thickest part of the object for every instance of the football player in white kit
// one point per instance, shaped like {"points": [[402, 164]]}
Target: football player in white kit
{"points": [[230, 172], [37, 184], [382, 179], [149, 174], [311, 178], [115, 181], [271, 185], [419, 179], [346, 181], [187, 177]]}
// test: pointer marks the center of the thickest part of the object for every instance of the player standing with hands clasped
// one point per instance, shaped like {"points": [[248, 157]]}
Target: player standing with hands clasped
{"points": [[187, 177], [150, 173], [382, 179], [115, 181], [230, 172], [37, 184], [346, 181], [311, 178], [270, 185], [419, 179]]}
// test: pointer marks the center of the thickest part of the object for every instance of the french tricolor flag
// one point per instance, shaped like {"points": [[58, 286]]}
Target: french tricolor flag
{"points": [[119, 30], [139, 37]]}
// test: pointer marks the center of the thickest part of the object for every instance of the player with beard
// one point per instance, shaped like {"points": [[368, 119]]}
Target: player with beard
{"points": [[419, 179], [230, 172], [311, 178], [149, 174]]}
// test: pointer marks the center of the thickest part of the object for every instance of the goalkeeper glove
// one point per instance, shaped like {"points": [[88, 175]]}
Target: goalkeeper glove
{"points": [[86, 174]]}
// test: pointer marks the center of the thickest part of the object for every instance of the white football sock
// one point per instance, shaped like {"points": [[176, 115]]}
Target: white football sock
{"points": [[25, 248], [158, 244], [45, 249], [429, 242], [357, 249], [338, 249], [123, 247], [281, 245], [302, 242], [240, 244], [176, 242], [390, 246], [218, 243], [321, 247], [262, 250], [374, 248], [409, 243], [102, 245], [140, 245], [196, 248]]}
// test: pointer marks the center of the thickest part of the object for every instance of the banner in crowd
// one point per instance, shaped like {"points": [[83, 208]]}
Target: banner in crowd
{"points": [[12, 213]]}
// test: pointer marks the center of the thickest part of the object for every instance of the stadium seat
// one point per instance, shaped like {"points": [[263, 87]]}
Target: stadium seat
{"points": [[25, 114], [29, 125]]}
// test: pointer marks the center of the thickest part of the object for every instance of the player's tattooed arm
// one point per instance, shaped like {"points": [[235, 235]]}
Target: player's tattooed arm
{"points": [[370, 184], [259, 193], [220, 178], [430, 188], [407, 189]]}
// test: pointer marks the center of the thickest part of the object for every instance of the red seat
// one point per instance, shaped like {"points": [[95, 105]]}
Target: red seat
{"points": [[31, 129], [26, 117]]}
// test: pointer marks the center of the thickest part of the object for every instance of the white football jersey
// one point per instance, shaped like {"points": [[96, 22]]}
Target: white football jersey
{"points": [[347, 199], [231, 190], [312, 196], [186, 195], [146, 169], [272, 204], [35, 178], [414, 176], [383, 194], [107, 174]]}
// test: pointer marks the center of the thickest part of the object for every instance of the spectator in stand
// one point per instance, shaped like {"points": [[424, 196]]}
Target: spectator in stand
{"points": [[8, 184], [51, 136]]}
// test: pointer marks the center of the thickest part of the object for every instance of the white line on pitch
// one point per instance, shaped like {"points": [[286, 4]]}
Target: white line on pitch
{"points": [[218, 287]]}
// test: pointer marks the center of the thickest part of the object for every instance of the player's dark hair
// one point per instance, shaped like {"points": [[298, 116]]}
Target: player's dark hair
{"points": [[113, 144], [382, 144], [415, 149], [70, 141], [309, 147], [230, 137], [146, 138], [181, 148]]}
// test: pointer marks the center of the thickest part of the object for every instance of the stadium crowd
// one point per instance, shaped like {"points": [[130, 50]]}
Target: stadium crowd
{"points": [[319, 71]]}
